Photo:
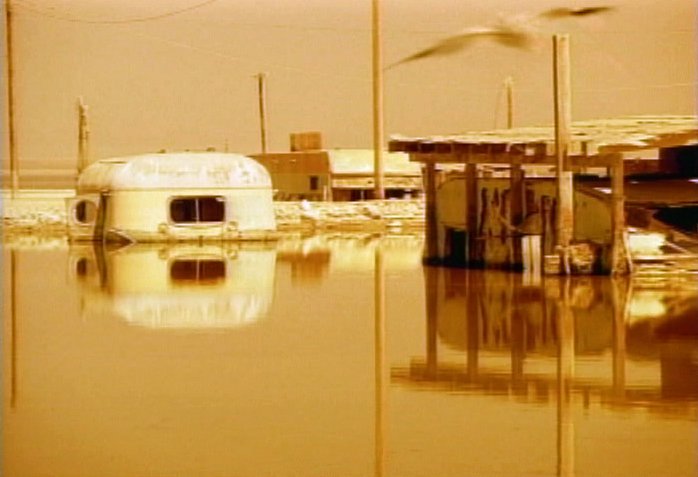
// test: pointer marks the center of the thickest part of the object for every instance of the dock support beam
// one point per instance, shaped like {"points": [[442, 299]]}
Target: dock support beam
{"points": [[516, 186], [83, 137], [564, 227], [620, 255], [431, 251], [471, 199]]}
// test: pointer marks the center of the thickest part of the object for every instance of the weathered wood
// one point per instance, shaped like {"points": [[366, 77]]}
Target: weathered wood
{"points": [[620, 255], [471, 200], [564, 224], [587, 138], [516, 180], [431, 254], [83, 137]]}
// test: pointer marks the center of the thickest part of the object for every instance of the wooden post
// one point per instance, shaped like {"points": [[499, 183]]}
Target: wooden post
{"points": [[431, 250], [564, 225], [516, 194], [262, 94], [379, 191], [83, 137], [12, 132], [620, 256], [471, 200]]}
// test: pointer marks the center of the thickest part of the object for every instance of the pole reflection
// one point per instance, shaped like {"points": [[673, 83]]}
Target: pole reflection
{"points": [[380, 369], [569, 340]]}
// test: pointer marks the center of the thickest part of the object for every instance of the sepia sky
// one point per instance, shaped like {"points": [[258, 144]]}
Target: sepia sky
{"points": [[186, 81]]}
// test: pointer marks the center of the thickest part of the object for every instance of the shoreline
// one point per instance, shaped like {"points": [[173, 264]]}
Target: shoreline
{"points": [[43, 212]]}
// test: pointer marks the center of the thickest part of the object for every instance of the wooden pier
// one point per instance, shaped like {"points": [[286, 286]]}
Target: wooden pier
{"points": [[592, 144]]}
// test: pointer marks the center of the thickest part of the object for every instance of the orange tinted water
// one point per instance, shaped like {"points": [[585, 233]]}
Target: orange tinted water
{"points": [[339, 356]]}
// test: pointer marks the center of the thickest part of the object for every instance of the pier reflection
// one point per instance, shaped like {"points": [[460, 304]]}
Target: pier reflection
{"points": [[176, 285], [502, 336], [619, 343]]}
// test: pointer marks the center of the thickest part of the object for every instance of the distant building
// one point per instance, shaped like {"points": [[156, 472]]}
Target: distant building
{"points": [[310, 172]]}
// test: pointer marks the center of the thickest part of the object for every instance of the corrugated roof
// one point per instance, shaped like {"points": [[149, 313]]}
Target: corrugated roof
{"points": [[360, 161]]}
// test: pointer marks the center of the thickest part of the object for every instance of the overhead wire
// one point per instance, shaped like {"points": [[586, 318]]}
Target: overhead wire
{"points": [[158, 16], [356, 78]]}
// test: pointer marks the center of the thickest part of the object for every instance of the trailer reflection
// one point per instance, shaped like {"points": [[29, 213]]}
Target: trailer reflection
{"points": [[179, 286]]}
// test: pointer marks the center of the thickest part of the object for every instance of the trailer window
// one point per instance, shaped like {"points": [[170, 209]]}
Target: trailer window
{"points": [[197, 271], [186, 210], [85, 212]]}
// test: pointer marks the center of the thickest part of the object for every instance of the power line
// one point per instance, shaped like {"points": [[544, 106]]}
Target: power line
{"points": [[280, 26], [159, 16]]}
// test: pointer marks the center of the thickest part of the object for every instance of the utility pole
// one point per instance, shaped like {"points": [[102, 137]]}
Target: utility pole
{"points": [[379, 191], [83, 137], [564, 226], [509, 87], [12, 135], [262, 93]]}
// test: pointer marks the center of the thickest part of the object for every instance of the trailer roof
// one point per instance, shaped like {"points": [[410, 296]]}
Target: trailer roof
{"points": [[200, 170]]}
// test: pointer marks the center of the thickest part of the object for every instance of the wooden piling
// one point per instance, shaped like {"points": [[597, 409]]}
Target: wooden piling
{"points": [[83, 137], [564, 224], [262, 98], [516, 200], [620, 255], [431, 250], [471, 201]]}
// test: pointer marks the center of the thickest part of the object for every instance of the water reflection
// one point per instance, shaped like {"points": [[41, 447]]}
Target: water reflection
{"points": [[336, 355], [500, 334], [176, 286]]}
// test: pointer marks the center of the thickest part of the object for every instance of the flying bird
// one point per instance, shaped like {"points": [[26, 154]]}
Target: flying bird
{"points": [[563, 12], [519, 31]]}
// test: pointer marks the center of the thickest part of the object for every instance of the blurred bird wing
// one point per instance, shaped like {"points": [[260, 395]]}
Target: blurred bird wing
{"points": [[564, 12], [451, 44]]}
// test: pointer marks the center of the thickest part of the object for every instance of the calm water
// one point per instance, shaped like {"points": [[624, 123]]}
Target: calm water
{"points": [[337, 356]]}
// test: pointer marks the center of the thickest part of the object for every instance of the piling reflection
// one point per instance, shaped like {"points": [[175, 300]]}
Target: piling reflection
{"points": [[617, 341], [313, 258], [181, 286], [333, 362]]}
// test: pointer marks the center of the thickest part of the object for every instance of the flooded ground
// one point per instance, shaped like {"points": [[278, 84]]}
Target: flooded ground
{"points": [[342, 356]]}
